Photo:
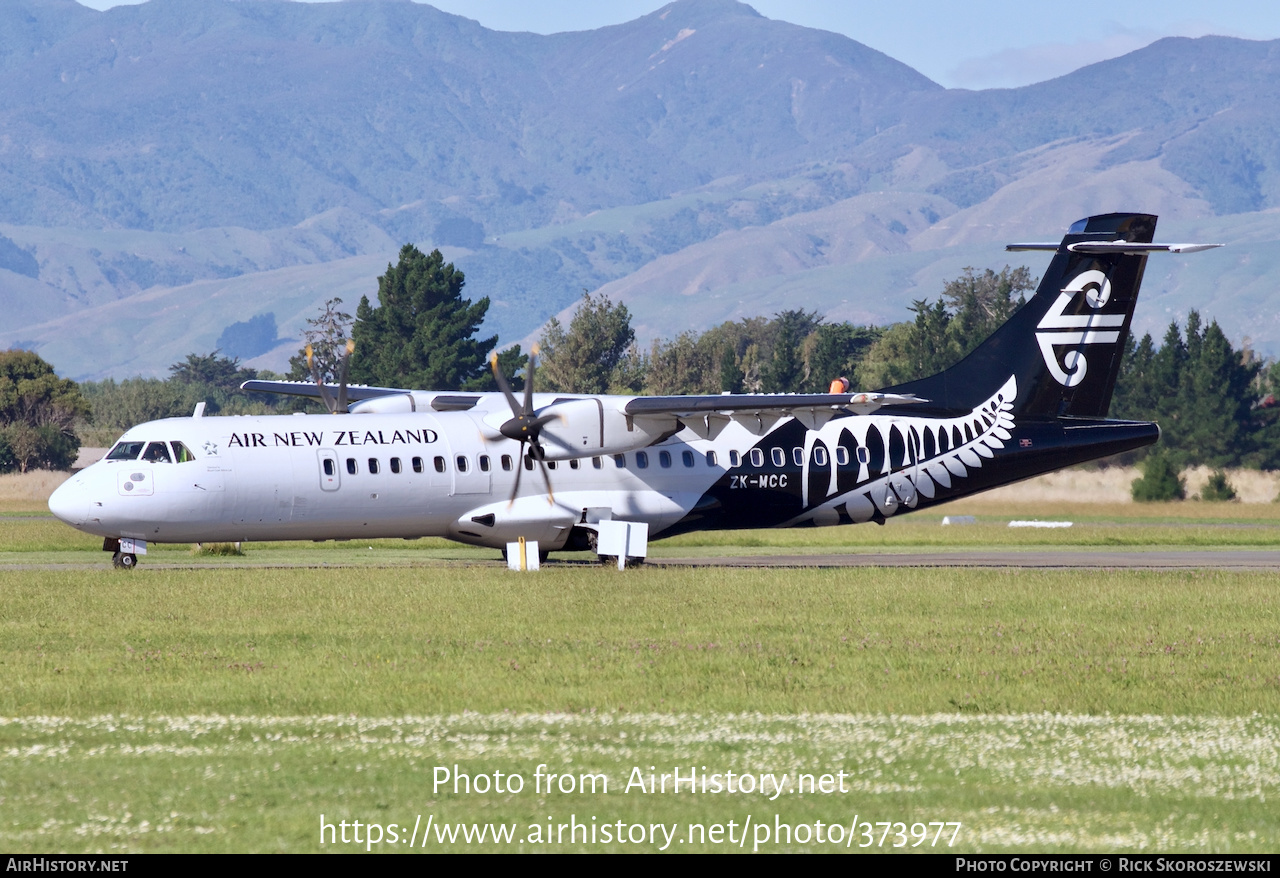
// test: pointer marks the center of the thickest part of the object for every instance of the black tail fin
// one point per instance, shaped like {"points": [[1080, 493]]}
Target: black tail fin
{"points": [[1064, 345]]}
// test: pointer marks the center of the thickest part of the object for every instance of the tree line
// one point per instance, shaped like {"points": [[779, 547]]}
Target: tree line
{"points": [[1216, 405]]}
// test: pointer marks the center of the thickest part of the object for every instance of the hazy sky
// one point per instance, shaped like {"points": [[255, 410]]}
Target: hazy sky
{"points": [[978, 44]]}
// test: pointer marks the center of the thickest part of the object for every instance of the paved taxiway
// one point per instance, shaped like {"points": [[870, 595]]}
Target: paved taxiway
{"points": [[1156, 560], [1043, 560]]}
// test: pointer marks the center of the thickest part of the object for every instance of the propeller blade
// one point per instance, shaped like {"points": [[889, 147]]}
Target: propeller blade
{"points": [[504, 386], [315, 375], [523, 427], [555, 440], [528, 381], [341, 406], [515, 489], [551, 497]]}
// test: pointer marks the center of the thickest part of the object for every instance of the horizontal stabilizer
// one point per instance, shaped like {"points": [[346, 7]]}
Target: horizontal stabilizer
{"points": [[1117, 247]]}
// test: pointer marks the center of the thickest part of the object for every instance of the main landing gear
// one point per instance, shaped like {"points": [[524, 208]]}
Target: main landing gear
{"points": [[124, 560]]}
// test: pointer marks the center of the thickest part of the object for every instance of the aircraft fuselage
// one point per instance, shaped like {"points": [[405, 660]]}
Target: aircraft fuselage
{"points": [[408, 475]]}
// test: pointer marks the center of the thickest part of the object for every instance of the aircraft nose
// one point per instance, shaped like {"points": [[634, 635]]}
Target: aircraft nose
{"points": [[69, 502]]}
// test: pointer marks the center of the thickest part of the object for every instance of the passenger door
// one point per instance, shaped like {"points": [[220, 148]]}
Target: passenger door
{"points": [[330, 478]]}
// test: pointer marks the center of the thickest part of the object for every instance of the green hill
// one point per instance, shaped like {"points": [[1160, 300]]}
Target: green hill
{"points": [[179, 149]]}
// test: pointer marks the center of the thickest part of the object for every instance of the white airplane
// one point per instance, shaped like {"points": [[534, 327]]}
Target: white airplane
{"points": [[410, 463]]}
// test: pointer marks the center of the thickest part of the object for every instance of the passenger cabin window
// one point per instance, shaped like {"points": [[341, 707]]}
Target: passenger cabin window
{"points": [[395, 465], [181, 453], [842, 455], [664, 458], [351, 465], [126, 451], [735, 459], [417, 465], [596, 463], [528, 462], [439, 464], [461, 460], [779, 457], [373, 466], [507, 463], [711, 458], [757, 457], [687, 457], [485, 466], [820, 456], [797, 454], [574, 464], [157, 452], [863, 456], [329, 467], [620, 461], [642, 460]]}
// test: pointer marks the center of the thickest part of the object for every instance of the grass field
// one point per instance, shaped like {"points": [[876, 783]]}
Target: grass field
{"points": [[223, 703]]}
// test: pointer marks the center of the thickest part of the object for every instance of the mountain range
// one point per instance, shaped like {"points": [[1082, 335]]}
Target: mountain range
{"points": [[174, 168]]}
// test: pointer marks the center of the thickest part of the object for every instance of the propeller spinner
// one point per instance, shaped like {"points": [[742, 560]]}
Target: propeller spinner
{"points": [[525, 425]]}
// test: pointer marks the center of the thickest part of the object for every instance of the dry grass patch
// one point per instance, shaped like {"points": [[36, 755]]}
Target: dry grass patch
{"points": [[29, 492], [1081, 486]]}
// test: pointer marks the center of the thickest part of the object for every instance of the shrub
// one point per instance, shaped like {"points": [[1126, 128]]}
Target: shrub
{"points": [[1218, 489], [1160, 481], [217, 549]]}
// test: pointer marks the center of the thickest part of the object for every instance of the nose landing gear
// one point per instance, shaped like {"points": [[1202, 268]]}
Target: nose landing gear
{"points": [[125, 552]]}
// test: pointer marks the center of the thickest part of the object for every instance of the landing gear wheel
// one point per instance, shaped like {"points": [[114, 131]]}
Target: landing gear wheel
{"points": [[124, 560]]}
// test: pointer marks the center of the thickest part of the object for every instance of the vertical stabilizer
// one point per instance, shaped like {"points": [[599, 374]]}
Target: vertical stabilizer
{"points": [[1064, 345]]}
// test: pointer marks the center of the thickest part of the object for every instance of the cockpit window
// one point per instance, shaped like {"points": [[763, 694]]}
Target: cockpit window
{"points": [[181, 453], [157, 452], [126, 451]]}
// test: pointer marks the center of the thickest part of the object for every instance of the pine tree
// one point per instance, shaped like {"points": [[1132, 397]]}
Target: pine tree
{"points": [[980, 303], [731, 376], [1215, 397], [785, 372], [836, 351], [422, 334], [595, 354], [1166, 384], [1134, 397]]}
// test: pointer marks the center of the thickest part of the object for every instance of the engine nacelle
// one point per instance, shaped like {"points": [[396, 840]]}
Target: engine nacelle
{"points": [[590, 427], [393, 404]]}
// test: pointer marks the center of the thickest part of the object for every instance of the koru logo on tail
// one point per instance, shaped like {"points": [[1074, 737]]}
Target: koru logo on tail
{"points": [[1059, 329]]}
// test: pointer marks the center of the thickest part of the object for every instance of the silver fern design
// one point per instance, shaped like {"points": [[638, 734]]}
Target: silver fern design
{"points": [[925, 454]]}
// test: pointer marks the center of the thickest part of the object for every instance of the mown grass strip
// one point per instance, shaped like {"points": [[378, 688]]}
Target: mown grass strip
{"points": [[1029, 782], [434, 640]]}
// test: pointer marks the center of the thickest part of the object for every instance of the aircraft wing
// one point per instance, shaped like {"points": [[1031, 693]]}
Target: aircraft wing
{"points": [[355, 392], [707, 415]]}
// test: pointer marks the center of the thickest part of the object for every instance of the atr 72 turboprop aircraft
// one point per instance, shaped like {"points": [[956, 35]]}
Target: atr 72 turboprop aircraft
{"points": [[1030, 399]]}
